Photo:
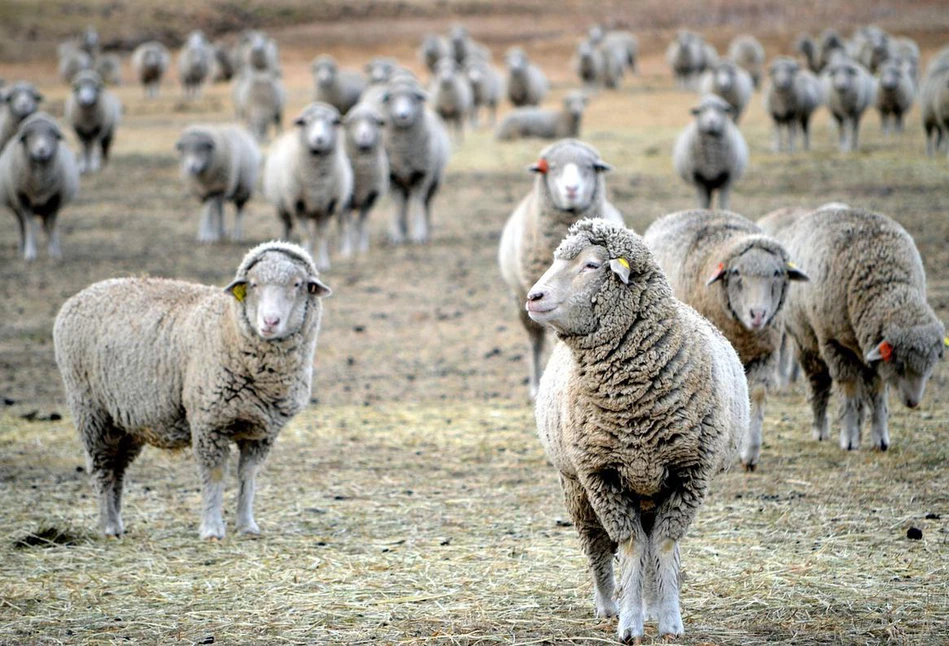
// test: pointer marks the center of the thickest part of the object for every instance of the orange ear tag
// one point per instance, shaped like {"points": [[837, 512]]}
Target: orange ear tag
{"points": [[886, 350]]}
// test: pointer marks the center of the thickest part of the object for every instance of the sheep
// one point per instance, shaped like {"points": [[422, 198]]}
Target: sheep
{"points": [[850, 91], [864, 322], [260, 99], [72, 60], [485, 89], [194, 64], [748, 53], [934, 101], [686, 55], [366, 151], [545, 123], [38, 177], [219, 163], [460, 45], [711, 153], [222, 68], [418, 148], [150, 61], [729, 81], [339, 88], [433, 49], [307, 176], [94, 114], [174, 364], [258, 52], [568, 185], [724, 266], [791, 98], [526, 83], [450, 95], [109, 67], [19, 101], [871, 47], [894, 95], [381, 69], [590, 64], [642, 404], [623, 46], [906, 52]]}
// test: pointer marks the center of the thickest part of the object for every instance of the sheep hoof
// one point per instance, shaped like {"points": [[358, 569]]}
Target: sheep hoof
{"points": [[251, 530], [750, 468]]}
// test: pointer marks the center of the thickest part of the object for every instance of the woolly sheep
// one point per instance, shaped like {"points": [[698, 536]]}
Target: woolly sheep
{"points": [[642, 404], [485, 89], [218, 164], [418, 148], [260, 99], [894, 95], [568, 185], [934, 101], [339, 88], [450, 95], [258, 52], [850, 91], [791, 98], [174, 364], [729, 81], [711, 153], [381, 69], [462, 47], [94, 114], [38, 177], [364, 126], [194, 64], [526, 83], [623, 46], [307, 176], [864, 322], [686, 55], [150, 61], [545, 123], [589, 64], [748, 53], [433, 49], [19, 101], [723, 265]]}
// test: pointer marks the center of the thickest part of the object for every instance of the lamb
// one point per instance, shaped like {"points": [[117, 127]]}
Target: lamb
{"points": [[642, 404], [307, 176], [418, 148], [433, 49], [568, 185], [150, 61], [686, 56], [38, 177], [544, 123], [864, 322], [19, 101], [451, 96], [725, 267], [748, 53], [260, 99], [485, 89], [850, 91], [791, 98], [218, 164], [894, 95], [729, 81], [174, 364], [194, 64], [710, 153], [94, 113], [339, 88], [526, 83], [366, 151]]}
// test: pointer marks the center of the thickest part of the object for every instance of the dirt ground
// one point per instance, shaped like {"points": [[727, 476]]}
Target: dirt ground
{"points": [[411, 503]]}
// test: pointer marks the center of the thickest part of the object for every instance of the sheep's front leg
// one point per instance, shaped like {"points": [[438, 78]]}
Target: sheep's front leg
{"points": [[633, 552], [751, 447], [362, 232], [252, 455], [210, 452], [29, 242], [723, 195], [536, 337], [879, 424], [218, 215], [206, 224], [852, 418], [704, 196], [320, 237], [346, 233], [400, 215], [52, 236], [420, 216], [596, 544], [237, 234]]}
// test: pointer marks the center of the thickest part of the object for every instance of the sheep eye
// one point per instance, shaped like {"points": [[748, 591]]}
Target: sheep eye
{"points": [[591, 265], [252, 283], [297, 284]]}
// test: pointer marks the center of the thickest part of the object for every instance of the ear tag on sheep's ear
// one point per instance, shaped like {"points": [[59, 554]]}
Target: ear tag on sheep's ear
{"points": [[240, 292], [886, 351], [540, 167], [718, 275], [945, 341], [796, 274], [620, 267]]}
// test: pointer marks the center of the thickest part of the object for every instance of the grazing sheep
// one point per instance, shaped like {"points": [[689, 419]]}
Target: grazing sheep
{"points": [[364, 126], [38, 177], [934, 101], [894, 95], [526, 83], [218, 164], [863, 322], [485, 89], [729, 81], [791, 98], [710, 153], [418, 147], [174, 364], [544, 123], [850, 91], [450, 95], [433, 49], [194, 64], [642, 404], [260, 98], [94, 114], [109, 67], [686, 56], [150, 61], [307, 176], [19, 101], [748, 53], [340, 88], [724, 266], [568, 186]]}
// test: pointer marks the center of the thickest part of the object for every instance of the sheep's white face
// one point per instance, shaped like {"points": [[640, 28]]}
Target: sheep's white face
{"points": [[890, 76], [87, 92], [712, 118], [151, 58], [195, 39], [319, 128], [405, 106], [905, 359], [23, 101], [517, 61], [563, 298], [724, 78], [571, 185], [196, 154], [41, 140], [445, 72], [782, 75], [325, 73], [755, 285], [843, 78], [364, 130], [379, 71]]}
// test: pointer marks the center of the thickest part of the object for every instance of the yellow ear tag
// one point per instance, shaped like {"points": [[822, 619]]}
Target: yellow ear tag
{"points": [[945, 341], [623, 262], [791, 265], [239, 291]]}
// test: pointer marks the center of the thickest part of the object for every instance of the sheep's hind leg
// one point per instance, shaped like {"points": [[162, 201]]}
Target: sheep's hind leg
{"points": [[819, 384], [252, 454], [110, 452], [596, 544]]}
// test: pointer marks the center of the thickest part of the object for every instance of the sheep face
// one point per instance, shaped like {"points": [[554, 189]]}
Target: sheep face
{"points": [[575, 104], [570, 179], [445, 72], [40, 139], [905, 359], [319, 128], [364, 129], [713, 116], [516, 61], [197, 153], [564, 297], [404, 105], [725, 77], [195, 40], [257, 52], [844, 78], [23, 100], [890, 76], [324, 72], [782, 74], [87, 90], [380, 70]]}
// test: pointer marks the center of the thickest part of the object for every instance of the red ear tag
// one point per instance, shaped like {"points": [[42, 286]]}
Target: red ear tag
{"points": [[720, 268], [886, 350], [542, 166]]}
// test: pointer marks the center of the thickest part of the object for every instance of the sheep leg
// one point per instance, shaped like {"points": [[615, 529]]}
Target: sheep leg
{"points": [[218, 223], [819, 383], [930, 148], [751, 447], [879, 427], [841, 134], [723, 195], [536, 337], [237, 234], [704, 195], [110, 452], [52, 236], [287, 221], [596, 544], [633, 552], [422, 216], [252, 454], [206, 224], [21, 223], [806, 133], [362, 232], [854, 134], [346, 232], [400, 216], [106, 147], [898, 122], [83, 164], [210, 452], [852, 417], [29, 242], [321, 239], [884, 124], [95, 161]]}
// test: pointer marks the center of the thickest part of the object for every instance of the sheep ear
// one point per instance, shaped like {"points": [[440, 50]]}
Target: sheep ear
{"points": [[540, 166], [237, 289], [318, 288], [421, 95], [695, 111], [881, 352], [796, 274], [601, 166], [718, 275], [37, 95], [620, 267], [299, 121]]}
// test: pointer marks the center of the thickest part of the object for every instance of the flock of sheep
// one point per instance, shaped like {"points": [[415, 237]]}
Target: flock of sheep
{"points": [[668, 343]]}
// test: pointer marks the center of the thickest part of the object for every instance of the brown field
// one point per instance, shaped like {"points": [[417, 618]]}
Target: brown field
{"points": [[411, 503]]}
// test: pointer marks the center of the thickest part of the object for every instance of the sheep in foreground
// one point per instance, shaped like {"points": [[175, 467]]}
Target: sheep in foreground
{"points": [[710, 153], [748, 53], [38, 177], [729, 81], [260, 99], [485, 89], [174, 364], [219, 164], [545, 123], [642, 404], [850, 91], [94, 113], [307, 176], [364, 126], [433, 49], [450, 95], [863, 322], [17, 102], [725, 267], [339, 88], [526, 83], [194, 64], [150, 61], [791, 98], [418, 148], [894, 95], [568, 186]]}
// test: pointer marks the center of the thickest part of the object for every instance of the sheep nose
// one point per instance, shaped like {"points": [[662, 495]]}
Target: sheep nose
{"points": [[757, 318], [271, 321], [536, 295]]}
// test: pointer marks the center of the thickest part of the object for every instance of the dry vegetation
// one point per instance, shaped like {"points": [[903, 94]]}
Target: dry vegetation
{"points": [[411, 503]]}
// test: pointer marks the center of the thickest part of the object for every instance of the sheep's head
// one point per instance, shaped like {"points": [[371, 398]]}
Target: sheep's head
{"points": [[324, 70], [516, 60], [712, 115], [257, 51], [319, 125], [782, 72], [196, 39], [276, 286], [890, 75], [87, 86], [405, 104], [40, 135], [380, 70], [151, 57], [725, 73], [575, 103], [364, 125], [445, 71], [844, 76], [22, 99], [570, 173], [196, 151], [905, 357]]}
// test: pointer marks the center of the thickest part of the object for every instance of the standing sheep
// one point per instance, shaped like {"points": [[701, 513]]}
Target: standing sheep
{"points": [[894, 95], [175, 364], [260, 98], [589, 64], [308, 177], [686, 56], [710, 153], [364, 126], [642, 404], [38, 177], [17, 102], [729, 81], [150, 61], [748, 53], [850, 91], [218, 164], [339, 88], [526, 83], [863, 322], [194, 64], [94, 113], [544, 123], [791, 98], [72, 60], [450, 95], [623, 46], [485, 89], [433, 49], [738, 278], [568, 186]]}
